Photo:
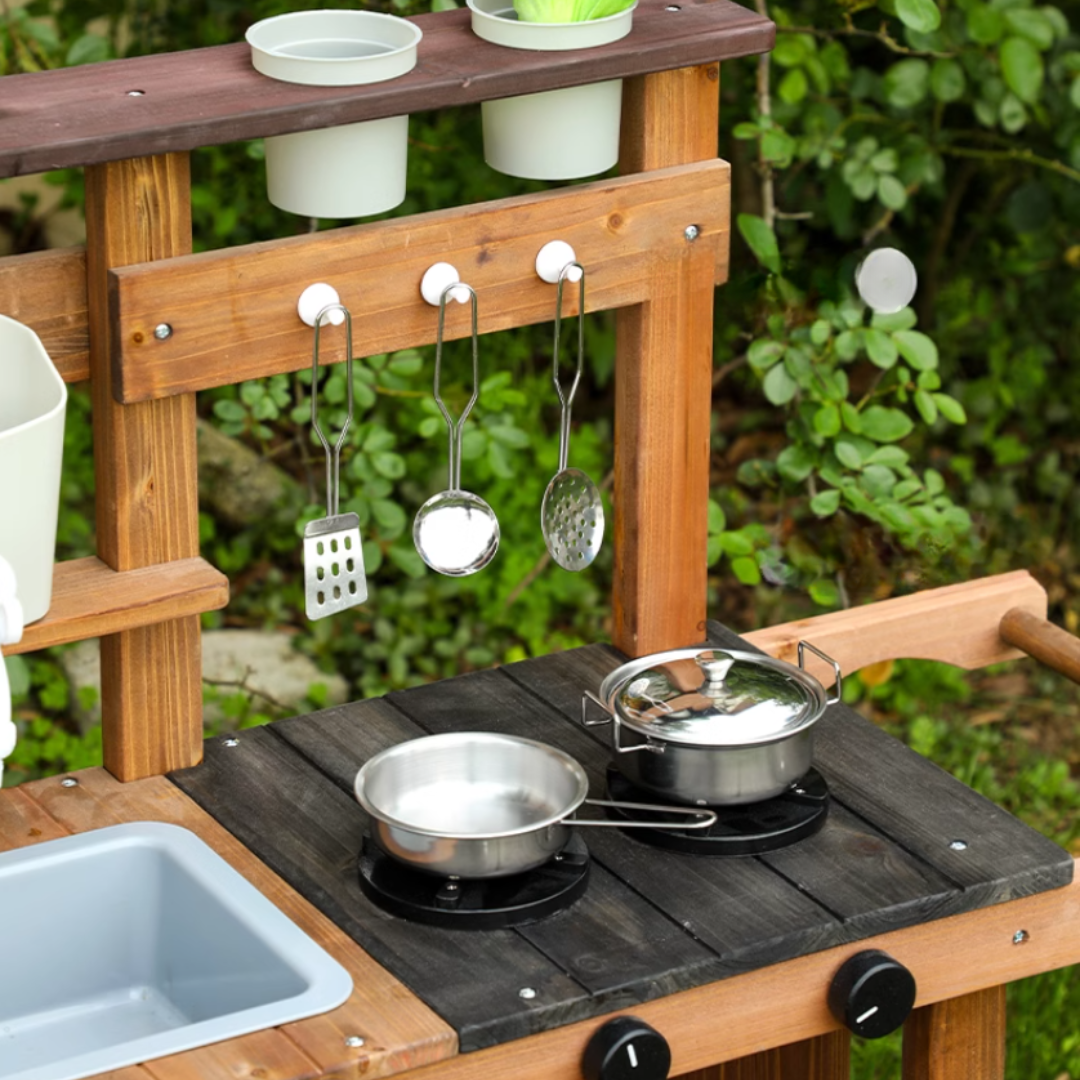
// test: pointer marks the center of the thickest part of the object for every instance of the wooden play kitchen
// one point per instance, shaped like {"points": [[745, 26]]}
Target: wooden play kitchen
{"points": [[727, 961]]}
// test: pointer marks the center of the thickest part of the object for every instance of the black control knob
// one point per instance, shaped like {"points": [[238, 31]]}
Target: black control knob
{"points": [[626, 1049], [872, 994]]}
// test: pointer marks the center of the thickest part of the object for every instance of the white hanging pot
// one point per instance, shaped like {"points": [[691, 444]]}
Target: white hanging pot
{"points": [[556, 134], [348, 171], [32, 408]]}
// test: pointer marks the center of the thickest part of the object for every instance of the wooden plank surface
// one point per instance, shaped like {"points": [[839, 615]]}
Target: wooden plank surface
{"points": [[147, 503], [959, 1039], [46, 290], [663, 386], [233, 312], [91, 600], [86, 115], [399, 1031]]}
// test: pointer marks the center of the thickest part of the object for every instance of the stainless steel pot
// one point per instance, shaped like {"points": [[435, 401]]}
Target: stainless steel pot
{"points": [[713, 726], [477, 804]]}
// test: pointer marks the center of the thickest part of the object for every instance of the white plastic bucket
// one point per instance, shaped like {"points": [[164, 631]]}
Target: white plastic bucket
{"points": [[33, 403], [557, 134], [348, 171]]}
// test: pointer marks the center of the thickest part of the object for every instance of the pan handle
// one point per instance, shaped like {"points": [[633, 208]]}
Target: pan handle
{"points": [[707, 817], [1047, 643], [828, 660]]}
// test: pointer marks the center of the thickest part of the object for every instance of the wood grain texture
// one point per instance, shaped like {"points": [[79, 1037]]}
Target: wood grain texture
{"points": [[957, 624], [663, 388], [1047, 643], [145, 468], [233, 312], [91, 600], [828, 1057], [82, 116], [46, 290], [959, 1039], [399, 1031]]}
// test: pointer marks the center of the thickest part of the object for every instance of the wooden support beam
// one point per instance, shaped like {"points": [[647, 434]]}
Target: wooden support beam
{"points": [[91, 600], [828, 1057], [145, 467], [959, 1039], [233, 312], [663, 384]]}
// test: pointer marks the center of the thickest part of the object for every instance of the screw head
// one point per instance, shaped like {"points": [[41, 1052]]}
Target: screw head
{"points": [[230, 741], [354, 1040], [163, 331], [527, 993], [136, 93], [69, 781], [958, 845], [691, 233], [1020, 937]]}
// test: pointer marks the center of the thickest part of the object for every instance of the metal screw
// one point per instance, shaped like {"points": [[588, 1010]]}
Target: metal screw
{"points": [[452, 886], [163, 331], [673, 7], [958, 845], [527, 992], [1020, 937], [354, 1040], [69, 781], [231, 741], [691, 232], [135, 93]]}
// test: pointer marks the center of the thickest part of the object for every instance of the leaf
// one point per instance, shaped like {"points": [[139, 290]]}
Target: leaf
{"points": [[746, 570], [888, 455], [935, 482], [925, 404], [821, 330], [510, 436], [761, 240], [922, 16], [885, 161], [791, 49], [1031, 24], [825, 503], [406, 362], [746, 130], [1022, 67], [793, 87], [389, 515], [778, 147], [878, 480], [905, 489], [18, 674], [378, 438], [886, 425], [717, 518], [880, 348], [917, 349], [795, 463], [824, 592], [985, 25], [1012, 114], [850, 415], [847, 453], [779, 386], [736, 543], [764, 352], [947, 80], [827, 421], [388, 464], [904, 319], [950, 408], [88, 49], [848, 344], [906, 83], [712, 551], [230, 411]]}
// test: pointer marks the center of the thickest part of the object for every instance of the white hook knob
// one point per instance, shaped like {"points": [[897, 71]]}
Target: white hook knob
{"points": [[316, 297], [553, 258], [437, 279], [886, 280]]}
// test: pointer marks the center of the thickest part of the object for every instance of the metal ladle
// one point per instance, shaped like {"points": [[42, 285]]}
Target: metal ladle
{"points": [[572, 514], [455, 532]]}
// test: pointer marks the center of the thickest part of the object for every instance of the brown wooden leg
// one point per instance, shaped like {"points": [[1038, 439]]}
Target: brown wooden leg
{"points": [[827, 1057], [145, 467], [663, 387], [959, 1039]]}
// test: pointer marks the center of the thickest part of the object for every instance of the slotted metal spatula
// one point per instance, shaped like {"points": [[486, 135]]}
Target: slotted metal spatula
{"points": [[333, 557]]}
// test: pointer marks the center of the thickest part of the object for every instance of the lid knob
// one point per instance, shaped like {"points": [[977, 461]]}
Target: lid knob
{"points": [[715, 666]]}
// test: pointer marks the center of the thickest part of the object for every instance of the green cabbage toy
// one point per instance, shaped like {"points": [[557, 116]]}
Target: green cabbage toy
{"points": [[566, 11]]}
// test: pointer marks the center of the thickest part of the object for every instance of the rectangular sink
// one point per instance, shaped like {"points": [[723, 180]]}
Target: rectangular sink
{"points": [[138, 940]]}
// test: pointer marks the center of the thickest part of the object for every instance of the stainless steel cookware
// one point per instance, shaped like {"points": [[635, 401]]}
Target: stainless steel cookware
{"points": [[477, 804], [713, 726]]}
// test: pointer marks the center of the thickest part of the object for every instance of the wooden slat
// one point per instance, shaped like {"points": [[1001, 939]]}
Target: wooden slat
{"points": [[399, 1031], [233, 312], [91, 600], [959, 1039], [1049, 644], [23, 822], [145, 468], [663, 386], [82, 116], [957, 624], [46, 291], [828, 1057]]}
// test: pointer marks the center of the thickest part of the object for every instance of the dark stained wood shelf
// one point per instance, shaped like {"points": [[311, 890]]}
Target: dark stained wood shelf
{"points": [[651, 922], [87, 115]]}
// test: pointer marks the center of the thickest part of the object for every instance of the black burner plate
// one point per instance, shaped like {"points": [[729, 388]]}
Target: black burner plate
{"points": [[474, 904], [739, 830]]}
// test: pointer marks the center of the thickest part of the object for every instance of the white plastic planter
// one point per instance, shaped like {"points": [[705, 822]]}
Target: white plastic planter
{"points": [[557, 134], [348, 171], [32, 408]]}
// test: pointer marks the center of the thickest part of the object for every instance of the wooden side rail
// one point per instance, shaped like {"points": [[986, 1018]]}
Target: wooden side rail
{"points": [[233, 312]]}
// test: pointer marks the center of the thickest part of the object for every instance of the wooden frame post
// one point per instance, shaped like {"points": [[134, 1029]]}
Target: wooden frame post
{"points": [[146, 474], [962, 1038]]}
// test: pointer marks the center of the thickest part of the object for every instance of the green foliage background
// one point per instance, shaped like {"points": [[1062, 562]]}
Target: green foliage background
{"points": [[853, 457]]}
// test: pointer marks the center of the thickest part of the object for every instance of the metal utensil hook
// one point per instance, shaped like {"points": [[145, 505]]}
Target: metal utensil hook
{"points": [[333, 454], [454, 427], [567, 399]]}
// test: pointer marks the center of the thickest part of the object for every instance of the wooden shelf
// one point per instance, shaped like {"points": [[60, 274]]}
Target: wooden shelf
{"points": [[87, 115], [90, 600]]}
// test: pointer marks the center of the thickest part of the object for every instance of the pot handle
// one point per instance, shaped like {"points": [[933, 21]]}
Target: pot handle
{"points": [[586, 697], [828, 660], [611, 717], [707, 817]]}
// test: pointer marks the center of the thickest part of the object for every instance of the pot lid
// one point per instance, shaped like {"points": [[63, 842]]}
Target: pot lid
{"points": [[713, 697]]}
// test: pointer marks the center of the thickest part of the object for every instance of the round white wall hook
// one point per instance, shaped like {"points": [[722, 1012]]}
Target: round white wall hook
{"points": [[437, 278], [552, 258], [316, 297]]}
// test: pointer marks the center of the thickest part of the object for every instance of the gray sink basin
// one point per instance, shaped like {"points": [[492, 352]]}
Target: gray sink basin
{"points": [[138, 940]]}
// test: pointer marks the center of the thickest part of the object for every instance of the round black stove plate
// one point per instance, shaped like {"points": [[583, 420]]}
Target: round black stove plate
{"points": [[751, 829], [474, 903]]}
